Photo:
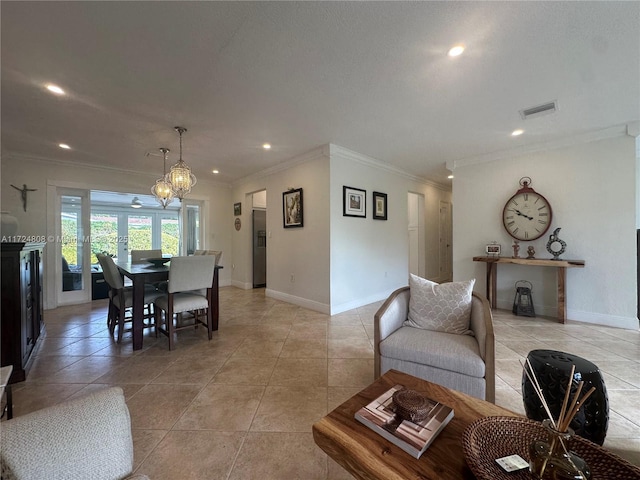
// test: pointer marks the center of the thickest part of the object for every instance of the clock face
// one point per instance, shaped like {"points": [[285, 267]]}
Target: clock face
{"points": [[527, 215]]}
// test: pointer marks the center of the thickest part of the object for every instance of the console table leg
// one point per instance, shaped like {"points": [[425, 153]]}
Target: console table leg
{"points": [[562, 303], [492, 283]]}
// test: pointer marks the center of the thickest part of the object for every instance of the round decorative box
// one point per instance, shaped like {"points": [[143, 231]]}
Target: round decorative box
{"points": [[410, 405]]}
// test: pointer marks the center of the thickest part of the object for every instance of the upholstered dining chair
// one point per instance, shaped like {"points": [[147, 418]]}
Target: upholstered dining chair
{"points": [[189, 278], [462, 359], [120, 297], [216, 253], [139, 256]]}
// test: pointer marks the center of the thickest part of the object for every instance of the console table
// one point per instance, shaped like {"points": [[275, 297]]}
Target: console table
{"points": [[560, 265]]}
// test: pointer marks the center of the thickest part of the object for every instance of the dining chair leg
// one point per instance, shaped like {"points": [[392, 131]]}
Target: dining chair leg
{"points": [[209, 323], [169, 322], [111, 321], [156, 319]]}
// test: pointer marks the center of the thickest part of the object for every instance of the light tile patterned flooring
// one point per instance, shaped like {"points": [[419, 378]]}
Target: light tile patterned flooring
{"points": [[241, 406]]}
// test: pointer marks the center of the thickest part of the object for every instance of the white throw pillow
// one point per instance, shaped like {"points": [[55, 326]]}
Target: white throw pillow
{"points": [[440, 307]]}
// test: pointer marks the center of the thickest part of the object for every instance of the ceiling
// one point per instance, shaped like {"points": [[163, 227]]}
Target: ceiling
{"points": [[373, 77]]}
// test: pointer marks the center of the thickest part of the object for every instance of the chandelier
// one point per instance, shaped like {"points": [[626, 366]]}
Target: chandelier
{"points": [[180, 176], [163, 190]]}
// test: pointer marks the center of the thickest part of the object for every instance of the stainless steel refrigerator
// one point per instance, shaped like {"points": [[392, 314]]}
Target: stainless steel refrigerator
{"points": [[259, 248]]}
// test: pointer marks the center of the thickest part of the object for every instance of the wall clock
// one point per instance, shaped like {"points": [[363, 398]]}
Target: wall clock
{"points": [[527, 214]]}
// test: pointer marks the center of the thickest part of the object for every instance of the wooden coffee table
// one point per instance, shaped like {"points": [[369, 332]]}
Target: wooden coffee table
{"points": [[367, 455]]}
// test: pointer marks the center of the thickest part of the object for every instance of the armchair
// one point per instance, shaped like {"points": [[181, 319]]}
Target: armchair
{"points": [[462, 362]]}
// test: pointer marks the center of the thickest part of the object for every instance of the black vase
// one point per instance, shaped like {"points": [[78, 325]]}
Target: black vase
{"points": [[552, 369]]}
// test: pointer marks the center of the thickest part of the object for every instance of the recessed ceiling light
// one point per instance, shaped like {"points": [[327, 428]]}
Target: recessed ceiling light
{"points": [[450, 176], [215, 171], [267, 146], [55, 89], [517, 132], [64, 145], [456, 50]]}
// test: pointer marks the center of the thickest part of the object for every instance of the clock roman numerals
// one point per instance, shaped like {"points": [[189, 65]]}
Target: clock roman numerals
{"points": [[527, 215]]}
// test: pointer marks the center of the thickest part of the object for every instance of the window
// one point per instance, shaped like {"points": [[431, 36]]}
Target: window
{"points": [[116, 228]]}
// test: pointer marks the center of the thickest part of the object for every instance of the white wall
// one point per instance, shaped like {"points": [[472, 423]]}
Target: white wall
{"points": [[36, 173], [592, 191], [303, 251], [338, 262], [370, 258]]}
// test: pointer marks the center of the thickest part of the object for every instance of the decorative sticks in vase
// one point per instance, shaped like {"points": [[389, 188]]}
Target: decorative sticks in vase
{"points": [[553, 458]]}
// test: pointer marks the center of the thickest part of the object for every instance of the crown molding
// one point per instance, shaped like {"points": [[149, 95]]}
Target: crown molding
{"points": [[374, 163], [592, 136], [287, 164], [71, 164]]}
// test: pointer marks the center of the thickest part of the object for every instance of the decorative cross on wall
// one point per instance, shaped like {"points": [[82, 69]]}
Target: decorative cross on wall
{"points": [[24, 190]]}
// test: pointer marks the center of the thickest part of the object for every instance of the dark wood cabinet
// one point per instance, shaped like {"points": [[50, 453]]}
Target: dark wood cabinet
{"points": [[22, 305]]}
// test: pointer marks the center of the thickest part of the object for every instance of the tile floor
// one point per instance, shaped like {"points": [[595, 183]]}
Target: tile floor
{"points": [[241, 406]]}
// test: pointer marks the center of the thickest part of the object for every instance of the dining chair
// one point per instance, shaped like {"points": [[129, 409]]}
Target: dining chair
{"points": [[121, 297], [216, 253], [139, 256], [189, 278]]}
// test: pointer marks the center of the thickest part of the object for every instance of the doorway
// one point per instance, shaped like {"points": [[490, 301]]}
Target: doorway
{"points": [[446, 233], [416, 234], [259, 238]]}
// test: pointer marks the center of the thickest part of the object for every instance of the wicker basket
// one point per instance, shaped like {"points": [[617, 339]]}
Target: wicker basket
{"points": [[410, 405], [493, 437]]}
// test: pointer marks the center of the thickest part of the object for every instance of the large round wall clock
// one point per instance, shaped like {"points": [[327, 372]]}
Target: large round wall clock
{"points": [[527, 214]]}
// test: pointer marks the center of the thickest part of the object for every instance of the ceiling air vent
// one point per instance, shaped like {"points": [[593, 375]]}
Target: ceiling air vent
{"points": [[539, 110]]}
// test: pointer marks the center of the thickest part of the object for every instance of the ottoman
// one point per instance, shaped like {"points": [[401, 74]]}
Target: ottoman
{"points": [[552, 369]]}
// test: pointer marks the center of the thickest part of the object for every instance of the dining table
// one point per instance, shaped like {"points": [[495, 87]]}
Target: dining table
{"points": [[143, 273]]}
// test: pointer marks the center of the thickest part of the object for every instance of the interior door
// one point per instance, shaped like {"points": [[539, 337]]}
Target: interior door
{"points": [[446, 260], [416, 234]]}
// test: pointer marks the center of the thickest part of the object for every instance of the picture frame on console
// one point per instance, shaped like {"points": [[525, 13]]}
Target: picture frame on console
{"points": [[354, 202]]}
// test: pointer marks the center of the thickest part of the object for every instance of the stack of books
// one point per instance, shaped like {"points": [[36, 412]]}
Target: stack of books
{"points": [[413, 438]]}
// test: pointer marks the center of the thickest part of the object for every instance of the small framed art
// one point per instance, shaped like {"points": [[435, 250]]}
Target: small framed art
{"points": [[237, 209], [354, 202], [292, 213], [379, 206]]}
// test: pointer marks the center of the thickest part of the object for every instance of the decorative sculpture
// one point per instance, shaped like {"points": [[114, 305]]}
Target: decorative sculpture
{"points": [[531, 252], [516, 249], [24, 190], [553, 243]]}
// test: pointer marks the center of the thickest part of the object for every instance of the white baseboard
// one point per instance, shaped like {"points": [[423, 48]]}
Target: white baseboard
{"points": [[345, 307], [242, 285], [616, 321], [628, 323], [301, 302]]}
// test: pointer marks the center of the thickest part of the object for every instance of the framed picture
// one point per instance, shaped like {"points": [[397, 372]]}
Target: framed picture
{"points": [[237, 209], [354, 202], [493, 249], [379, 206], [292, 213]]}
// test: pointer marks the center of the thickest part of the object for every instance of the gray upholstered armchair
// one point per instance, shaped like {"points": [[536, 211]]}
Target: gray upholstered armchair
{"points": [[462, 362], [86, 438]]}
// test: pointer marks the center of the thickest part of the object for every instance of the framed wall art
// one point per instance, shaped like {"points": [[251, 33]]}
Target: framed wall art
{"points": [[292, 212], [354, 202], [237, 209], [379, 206]]}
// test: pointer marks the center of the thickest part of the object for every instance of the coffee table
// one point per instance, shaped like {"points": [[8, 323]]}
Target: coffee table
{"points": [[367, 455]]}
